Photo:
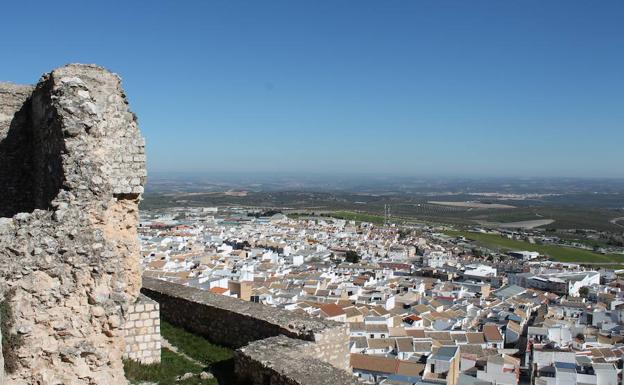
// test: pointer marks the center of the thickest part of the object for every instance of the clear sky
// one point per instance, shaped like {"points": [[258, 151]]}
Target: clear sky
{"points": [[499, 87]]}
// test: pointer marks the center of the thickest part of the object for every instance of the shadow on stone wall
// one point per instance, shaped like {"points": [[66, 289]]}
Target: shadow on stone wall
{"points": [[31, 172], [16, 166]]}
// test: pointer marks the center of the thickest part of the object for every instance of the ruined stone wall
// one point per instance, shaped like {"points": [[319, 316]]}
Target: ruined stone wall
{"points": [[71, 171], [331, 346], [286, 361], [276, 345], [142, 331]]}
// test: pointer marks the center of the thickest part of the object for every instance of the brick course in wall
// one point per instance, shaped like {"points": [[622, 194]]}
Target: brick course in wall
{"points": [[142, 331]]}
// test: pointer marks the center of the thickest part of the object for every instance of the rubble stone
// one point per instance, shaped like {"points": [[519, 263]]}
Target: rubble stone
{"points": [[69, 249]]}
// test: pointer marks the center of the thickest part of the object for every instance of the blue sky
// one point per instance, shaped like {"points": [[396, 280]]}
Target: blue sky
{"points": [[470, 88]]}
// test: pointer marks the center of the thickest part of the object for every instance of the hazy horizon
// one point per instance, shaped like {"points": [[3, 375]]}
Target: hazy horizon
{"points": [[412, 88], [284, 182], [363, 174]]}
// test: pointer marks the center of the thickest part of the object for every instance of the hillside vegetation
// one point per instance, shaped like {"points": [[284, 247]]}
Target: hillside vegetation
{"points": [[554, 252]]}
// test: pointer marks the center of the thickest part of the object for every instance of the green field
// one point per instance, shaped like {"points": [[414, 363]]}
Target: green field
{"points": [[358, 217], [556, 253]]}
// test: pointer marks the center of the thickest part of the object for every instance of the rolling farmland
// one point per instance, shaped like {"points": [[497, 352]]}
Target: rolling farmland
{"points": [[415, 208]]}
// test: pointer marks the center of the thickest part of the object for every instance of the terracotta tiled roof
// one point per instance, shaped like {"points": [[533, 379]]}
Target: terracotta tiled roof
{"points": [[397, 332], [514, 326], [459, 337], [470, 349], [409, 368], [376, 328], [475, 338], [218, 290], [491, 333], [422, 346], [386, 365], [416, 333], [443, 336], [332, 310], [381, 343], [404, 344], [373, 363], [352, 312]]}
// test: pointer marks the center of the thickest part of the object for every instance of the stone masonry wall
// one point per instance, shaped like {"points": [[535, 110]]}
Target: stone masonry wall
{"points": [[331, 346], [1, 361], [310, 350], [228, 321], [142, 331], [71, 171], [286, 361]]}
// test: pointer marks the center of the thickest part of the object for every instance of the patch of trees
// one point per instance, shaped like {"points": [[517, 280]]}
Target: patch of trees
{"points": [[266, 213], [616, 241], [238, 245], [352, 256], [584, 291]]}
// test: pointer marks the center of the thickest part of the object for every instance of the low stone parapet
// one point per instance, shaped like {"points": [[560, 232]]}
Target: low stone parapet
{"points": [[286, 361], [275, 346], [229, 321]]}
